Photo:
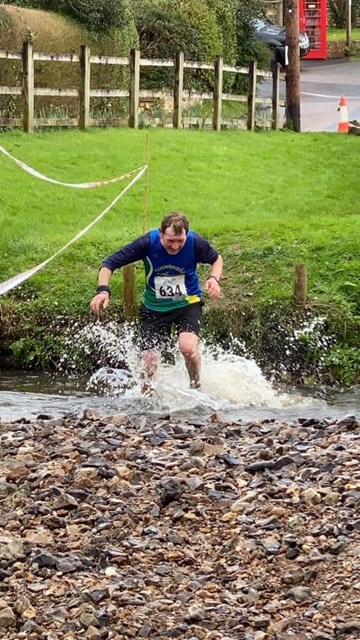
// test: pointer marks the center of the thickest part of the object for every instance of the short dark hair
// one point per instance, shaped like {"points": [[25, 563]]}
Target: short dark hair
{"points": [[177, 220]]}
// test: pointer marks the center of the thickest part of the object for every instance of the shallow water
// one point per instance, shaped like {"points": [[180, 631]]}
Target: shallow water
{"points": [[231, 385]]}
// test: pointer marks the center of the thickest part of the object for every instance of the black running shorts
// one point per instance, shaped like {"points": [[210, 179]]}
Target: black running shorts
{"points": [[156, 327]]}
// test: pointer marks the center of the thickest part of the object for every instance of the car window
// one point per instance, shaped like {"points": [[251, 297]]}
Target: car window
{"points": [[259, 24]]}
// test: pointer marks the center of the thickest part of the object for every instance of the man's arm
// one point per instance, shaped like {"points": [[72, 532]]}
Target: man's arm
{"points": [[212, 284], [206, 254], [132, 252]]}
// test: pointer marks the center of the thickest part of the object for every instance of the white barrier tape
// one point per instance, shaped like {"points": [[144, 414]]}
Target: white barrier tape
{"points": [[81, 185], [326, 95], [16, 280]]}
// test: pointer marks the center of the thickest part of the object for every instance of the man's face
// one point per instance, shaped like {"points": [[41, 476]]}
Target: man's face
{"points": [[171, 241]]}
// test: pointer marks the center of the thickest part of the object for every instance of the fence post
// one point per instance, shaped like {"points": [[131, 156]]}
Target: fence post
{"points": [[178, 89], [28, 86], [129, 291], [275, 94], [252, 96], [218, 87], [300, 285], [84, 88], [134, 64]]}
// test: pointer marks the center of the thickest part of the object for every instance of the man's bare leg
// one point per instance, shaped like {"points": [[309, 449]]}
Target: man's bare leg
{"points": [[150, 361], [188, 343]]}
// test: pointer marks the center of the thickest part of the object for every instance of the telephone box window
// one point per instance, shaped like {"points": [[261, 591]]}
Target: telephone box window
{"points": [[313, 20]]}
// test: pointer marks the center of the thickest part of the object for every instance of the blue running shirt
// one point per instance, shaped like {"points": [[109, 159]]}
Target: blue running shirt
{"points": [[171, 280]]}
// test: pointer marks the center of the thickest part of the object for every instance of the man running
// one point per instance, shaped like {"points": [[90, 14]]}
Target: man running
{"points": [[173, 298]]}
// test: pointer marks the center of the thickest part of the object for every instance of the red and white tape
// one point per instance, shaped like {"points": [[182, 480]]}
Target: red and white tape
{"points": [[7, 285], [80, 185]]}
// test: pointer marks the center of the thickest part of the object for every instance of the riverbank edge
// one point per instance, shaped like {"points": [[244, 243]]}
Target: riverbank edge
{"points": [[314, 344]]}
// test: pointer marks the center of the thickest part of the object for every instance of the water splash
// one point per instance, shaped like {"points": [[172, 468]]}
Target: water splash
{"points": [[229, 380]]}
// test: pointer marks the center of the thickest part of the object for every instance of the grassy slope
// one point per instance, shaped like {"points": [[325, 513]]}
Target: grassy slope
{"points": [[333, 35], [266, 201]]}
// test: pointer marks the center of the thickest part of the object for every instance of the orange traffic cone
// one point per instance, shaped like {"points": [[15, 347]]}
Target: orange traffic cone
{"points": [[343, 126]]}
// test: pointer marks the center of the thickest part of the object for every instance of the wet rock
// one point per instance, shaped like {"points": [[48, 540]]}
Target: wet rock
{"points": [[88, 619], [293, 577], [196, 447], [172, 490], [145, 630], [230, 460], [194, 482], [92, 633], [299, 594], [351, 626], [6, 489], [195, 614], [283, 461], [7, 618], [44, 559], [30, 626], [261, 465]]}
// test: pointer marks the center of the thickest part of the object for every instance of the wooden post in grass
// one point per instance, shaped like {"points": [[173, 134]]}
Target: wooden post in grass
{"points": [[28, 86], [275, 94], [251, 96], [218, 87], [129, 291], [178, 89], [300, 285], [134, 88], [84, 87]]}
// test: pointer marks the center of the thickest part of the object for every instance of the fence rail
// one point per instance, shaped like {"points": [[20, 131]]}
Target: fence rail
{"points": [[135, 96]]}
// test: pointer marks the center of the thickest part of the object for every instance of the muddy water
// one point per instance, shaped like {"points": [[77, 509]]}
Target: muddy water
{"points": [[231, 385]]}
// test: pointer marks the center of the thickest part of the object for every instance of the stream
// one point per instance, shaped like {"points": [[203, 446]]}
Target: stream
{"points": [[231, 385]]}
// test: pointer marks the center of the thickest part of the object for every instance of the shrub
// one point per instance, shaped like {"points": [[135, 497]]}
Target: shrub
{"points": [[168, 26], [225, 15], [247, 45], [248, 48], [96, 15], [337, 13], [60, 34]]}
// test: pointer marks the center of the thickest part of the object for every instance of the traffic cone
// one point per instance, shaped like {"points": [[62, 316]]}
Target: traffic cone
{"points": [[343, 126]]}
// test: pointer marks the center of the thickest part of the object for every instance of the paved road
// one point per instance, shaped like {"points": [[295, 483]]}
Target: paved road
{"points": [[322, 84]]}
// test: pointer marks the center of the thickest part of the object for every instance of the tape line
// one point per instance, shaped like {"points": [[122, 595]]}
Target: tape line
{"points": [[21, 277], [80, 185]]}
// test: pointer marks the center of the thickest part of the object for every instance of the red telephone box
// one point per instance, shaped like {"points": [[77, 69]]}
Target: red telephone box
{"points": [[313, 20]]}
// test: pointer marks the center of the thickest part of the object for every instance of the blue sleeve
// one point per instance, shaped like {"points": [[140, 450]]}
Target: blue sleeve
{"points": [[204, 252], [132, 252]]}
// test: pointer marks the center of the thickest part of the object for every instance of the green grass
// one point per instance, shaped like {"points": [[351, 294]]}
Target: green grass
{"points": [[335, 35], [230, 109], [267, 201]]}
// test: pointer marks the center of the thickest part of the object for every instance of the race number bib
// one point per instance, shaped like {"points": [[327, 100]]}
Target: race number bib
{"points": [[170, 287]]}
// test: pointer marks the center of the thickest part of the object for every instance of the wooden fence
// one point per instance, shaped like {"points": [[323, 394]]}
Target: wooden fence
{"points": [[135, 96]]}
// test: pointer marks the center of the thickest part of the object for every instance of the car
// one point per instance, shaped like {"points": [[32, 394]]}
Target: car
{"points": [[274, 36]]}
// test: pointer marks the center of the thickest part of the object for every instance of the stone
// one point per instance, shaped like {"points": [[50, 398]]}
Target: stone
{"points": [[7, 618]]}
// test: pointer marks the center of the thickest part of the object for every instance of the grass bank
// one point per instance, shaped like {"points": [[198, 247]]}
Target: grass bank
{"points": [[335, 35], [266, 200]]}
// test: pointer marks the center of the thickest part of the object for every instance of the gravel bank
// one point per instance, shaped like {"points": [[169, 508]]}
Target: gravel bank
{"points": [[115, 528]]}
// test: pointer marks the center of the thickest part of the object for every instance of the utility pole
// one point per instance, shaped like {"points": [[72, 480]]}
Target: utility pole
{"points": [[293, 67], [348, 24]]}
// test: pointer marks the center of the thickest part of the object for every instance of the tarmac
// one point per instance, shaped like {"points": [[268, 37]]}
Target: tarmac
{"points": [[323, 82]]}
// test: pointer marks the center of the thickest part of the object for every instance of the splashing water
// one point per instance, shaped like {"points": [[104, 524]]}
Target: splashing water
{"points": [[231, 383], [229, 380]]}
